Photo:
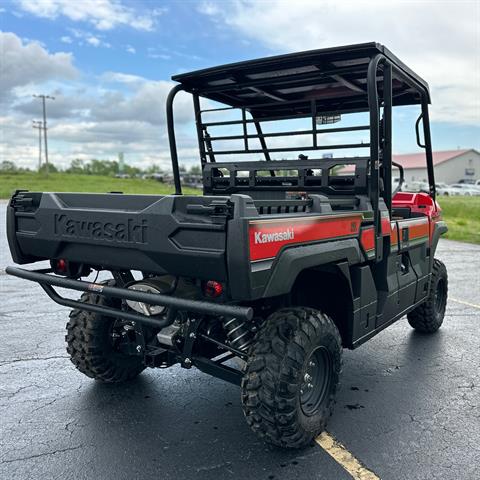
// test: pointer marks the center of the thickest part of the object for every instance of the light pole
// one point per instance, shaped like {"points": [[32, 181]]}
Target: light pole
{"points": [[44, 97], [38, 124]]}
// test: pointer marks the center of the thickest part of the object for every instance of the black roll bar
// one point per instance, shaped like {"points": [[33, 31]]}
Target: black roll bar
{"points": [[45, 280], [374, 109], [374, 112], [198, 125], [428, 146], [205, 140], [387, 134], [171, 138]]}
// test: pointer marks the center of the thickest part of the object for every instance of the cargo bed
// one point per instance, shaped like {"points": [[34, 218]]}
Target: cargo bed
{"points": [[150, 233]]}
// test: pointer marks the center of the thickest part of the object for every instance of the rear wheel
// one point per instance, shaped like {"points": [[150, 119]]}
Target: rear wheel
{"points": [[428, 317], [97, 344], [291, 377]]}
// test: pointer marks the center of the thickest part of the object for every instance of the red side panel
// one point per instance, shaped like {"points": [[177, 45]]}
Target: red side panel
{"points": [[267, 237], [367, 239], [413, 231], [394, 235], [417, 203]]}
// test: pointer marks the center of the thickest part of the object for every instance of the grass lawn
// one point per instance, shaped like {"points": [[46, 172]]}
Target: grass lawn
{"points": [[63, 182], [462, 215]]}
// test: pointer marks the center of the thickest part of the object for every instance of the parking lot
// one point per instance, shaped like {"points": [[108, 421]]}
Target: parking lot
{"points": [[409, 407]]}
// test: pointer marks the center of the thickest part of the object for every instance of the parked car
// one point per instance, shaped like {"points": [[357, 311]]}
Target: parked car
{"points": [[416, 187], [477, 183], [444, 189], [465, 189], [467, 181]]}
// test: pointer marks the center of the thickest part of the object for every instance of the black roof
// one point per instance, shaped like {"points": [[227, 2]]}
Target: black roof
{"points": [[283, 85]]}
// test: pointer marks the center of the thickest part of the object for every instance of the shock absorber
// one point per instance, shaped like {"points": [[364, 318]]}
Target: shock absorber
{"points": [[238, 334]]}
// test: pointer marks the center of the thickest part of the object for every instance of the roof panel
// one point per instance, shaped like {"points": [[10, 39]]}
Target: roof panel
{"points": [[332, 77]]}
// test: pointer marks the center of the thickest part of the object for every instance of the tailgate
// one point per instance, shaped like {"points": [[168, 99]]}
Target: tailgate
{"points": [[151, 233]]}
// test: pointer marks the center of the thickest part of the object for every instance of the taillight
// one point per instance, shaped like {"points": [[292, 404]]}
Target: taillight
{"points": [[212, 289], [69, 269], [61, 266]]}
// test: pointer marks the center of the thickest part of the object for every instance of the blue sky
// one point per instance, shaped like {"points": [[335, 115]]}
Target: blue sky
{"points": [[109, 63]]}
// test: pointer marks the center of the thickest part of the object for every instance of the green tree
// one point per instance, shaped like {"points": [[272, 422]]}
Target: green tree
{"points": [[195, 170], [131, 170], [51, 168], [8, 167], [76, 166], [102, 167], [154, 168]]}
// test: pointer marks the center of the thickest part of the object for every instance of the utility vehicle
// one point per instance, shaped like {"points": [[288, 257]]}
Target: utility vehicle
{"points": [[294, 252]]}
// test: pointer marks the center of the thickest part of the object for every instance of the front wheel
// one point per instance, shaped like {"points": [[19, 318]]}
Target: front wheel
{"points": [[428, 317], [291, 377]]}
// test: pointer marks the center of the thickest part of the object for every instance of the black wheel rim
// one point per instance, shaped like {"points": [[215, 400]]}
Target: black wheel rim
{"points": [[316, 377], [440, 297]]}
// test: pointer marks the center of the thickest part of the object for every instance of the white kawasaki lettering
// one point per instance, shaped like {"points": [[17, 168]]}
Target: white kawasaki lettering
{"points": [[261, 237]]}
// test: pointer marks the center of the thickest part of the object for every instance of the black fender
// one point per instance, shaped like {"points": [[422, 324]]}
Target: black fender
{"points": [[440, 227], [293, 260]]}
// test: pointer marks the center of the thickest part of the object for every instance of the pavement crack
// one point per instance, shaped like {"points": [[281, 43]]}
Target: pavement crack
{"points": [[54, 452], [32, 359]]}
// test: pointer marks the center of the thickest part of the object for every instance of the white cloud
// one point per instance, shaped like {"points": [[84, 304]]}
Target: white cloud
{"points": [[67, 105], [158, 52], [130, 49], [125, 78], [30, 63], [208, 8], [162, 56], [66, 39], [142, 143], [119, 112], [102, 14], [94, 41], [89, 38], [438, 40], [147, 103]]}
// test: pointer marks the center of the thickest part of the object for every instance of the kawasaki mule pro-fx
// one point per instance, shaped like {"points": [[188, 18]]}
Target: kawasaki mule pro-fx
{"points": [[299, 247]]}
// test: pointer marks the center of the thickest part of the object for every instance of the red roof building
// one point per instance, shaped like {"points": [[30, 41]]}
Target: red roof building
{"points": [[450, 165]]}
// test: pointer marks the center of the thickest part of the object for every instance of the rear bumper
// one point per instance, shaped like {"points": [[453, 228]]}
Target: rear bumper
{"points": [[48, 281]]}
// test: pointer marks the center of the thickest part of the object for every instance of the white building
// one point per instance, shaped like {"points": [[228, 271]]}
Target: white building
{"points": [[450, 166]]}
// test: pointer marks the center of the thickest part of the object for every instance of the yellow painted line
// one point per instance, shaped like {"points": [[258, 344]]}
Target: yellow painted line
{"points": [[342, 456], [465, 303]]}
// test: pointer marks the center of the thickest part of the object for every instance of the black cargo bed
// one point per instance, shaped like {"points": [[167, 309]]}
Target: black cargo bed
{"points": [[151, 233]]}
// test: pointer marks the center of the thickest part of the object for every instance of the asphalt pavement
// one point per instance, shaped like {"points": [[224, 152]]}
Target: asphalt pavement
{"points": [[409, 406]]}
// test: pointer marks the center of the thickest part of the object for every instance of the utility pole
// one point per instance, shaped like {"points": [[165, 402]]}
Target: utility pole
{"points": [[38, 124], [45, 97]]}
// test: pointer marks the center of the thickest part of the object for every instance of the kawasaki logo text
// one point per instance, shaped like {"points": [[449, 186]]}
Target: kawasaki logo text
{"points": [[261, 237], [130, 231]]}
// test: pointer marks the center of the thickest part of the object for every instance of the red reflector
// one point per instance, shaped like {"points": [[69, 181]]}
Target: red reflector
{"points": [[212, 289], [61, 265]]}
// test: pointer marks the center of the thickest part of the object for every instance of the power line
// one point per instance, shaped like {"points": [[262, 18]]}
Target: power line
{"points": [[38, 124], [43, 98]]}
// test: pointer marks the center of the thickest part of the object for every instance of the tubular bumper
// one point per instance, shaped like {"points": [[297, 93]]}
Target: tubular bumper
{"points": [[48, 281]]}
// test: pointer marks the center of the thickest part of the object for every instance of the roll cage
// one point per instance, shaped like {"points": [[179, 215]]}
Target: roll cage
{"points": [[317, 84]]}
